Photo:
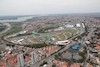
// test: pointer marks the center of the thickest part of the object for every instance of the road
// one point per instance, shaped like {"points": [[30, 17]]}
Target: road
{"points": [[36, 64], [52, 56], [8, 27], [85, 64]]}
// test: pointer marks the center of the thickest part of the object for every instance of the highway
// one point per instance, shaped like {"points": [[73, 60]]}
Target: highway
{"points": [[52, 56], [85, 64], [8, 27], [36, 64]]}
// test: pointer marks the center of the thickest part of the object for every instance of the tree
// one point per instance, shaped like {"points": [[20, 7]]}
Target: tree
{"points": [[53, 65], [44, 62]]}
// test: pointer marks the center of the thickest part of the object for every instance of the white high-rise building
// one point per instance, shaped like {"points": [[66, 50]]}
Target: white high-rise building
{"points": [[20, 60], [33, 57]]}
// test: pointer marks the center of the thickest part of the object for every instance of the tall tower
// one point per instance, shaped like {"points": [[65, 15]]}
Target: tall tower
{"points": [[20, 60], [33, 56]]}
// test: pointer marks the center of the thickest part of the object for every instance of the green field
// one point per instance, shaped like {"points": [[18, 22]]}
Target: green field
{"points": [[65, 34], [37, 38], [59, 35], [15, 27]]}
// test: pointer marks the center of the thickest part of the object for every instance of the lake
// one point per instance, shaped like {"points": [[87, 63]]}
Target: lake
{"points": [[18, 19]]}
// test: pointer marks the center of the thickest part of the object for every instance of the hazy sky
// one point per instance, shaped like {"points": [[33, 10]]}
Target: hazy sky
{"points": [[25, 7]]}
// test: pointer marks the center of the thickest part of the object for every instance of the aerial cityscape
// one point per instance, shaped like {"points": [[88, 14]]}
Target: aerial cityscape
{"points": [[50, 40]]}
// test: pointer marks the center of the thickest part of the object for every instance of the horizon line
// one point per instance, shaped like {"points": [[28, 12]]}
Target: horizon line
{"points": [[48, 14]]}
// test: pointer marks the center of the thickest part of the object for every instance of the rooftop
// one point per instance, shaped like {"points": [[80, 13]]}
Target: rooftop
{"points": [[2, 64]]}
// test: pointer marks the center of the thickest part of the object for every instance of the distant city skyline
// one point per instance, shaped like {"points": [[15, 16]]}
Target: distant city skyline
{"points": [[42, 7]]}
